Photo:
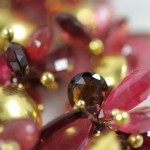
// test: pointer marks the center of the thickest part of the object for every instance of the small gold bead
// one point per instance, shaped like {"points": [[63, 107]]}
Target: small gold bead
{"points": [[80, 104], [40, 107], [96, 47], [115, 112], [47, 78], [135, 140], [121, 117], [7, 33]]}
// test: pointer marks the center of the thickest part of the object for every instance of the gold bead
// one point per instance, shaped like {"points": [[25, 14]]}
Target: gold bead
{"points": [[96, 47], [135, 140], [17, 104], [7, 33], [21, 26], [40, 107], [10, 145], [115, 112], [80, 104], [47, 78], [110, 69], [121, 117]]}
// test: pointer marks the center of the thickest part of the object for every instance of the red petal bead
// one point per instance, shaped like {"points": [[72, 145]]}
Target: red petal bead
{"points": [[70, 131], [133, 90], [60, 61], [25, 132], [116, 37], [39, 43], [140, 122], [72, 26]]}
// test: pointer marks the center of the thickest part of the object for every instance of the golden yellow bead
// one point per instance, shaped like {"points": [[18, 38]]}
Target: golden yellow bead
{"points": [[10, 145], [7, 33], [21, 26], [47, 78], [135, 140], [115, 112], [80, 104], [112, 67], [96, 47], [40, 107], [121, 117], [15, 104]]}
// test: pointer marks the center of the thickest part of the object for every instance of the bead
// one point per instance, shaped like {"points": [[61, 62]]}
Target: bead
{"points": [[5, 72], [47, 79], [123, 97], [26, 127], [72, 26], [135, 140], [69, 127], [89, 87], [61, 61], [110, 69], [80, 104], [17, 59], [6, 33], [96, 47], [139, 121], [39, 43], [105, 142], [16, 103], [9, 145], [121, 117]]}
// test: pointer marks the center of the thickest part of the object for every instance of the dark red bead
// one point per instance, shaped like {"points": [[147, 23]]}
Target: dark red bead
{"points": [[39, 43], [17, 59], [60, 61], [70, 131], [72, 26]]}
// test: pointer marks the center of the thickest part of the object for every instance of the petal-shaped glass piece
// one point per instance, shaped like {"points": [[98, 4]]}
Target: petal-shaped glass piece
{"points": [[132, 91]]}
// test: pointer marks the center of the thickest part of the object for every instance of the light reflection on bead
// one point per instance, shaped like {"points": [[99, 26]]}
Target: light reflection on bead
{"points": [[96, 47], [105, 142], [22, 28], [80, 104], [17, 104], [135, 140], [10, 145], [6, 33], [120, 117], [112, 67]]}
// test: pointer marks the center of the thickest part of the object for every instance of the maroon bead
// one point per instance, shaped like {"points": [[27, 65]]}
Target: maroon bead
{"points": [[87, 86], [17, 59], [39, 43], [60, 61], [69, 127], [72, 26]]}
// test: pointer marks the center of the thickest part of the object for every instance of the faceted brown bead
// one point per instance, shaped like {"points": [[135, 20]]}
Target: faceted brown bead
{"points": [[17, 59], [87, 86]]}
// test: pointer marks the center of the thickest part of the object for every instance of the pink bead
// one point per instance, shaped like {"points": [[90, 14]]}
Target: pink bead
{"points": [[39, 43], [116, 37], [133, 90], [4, 71], [140, 122], [25, 132], [103, 17]]}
